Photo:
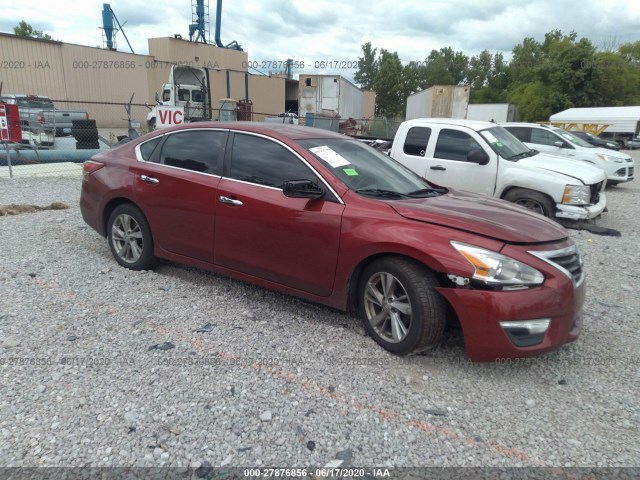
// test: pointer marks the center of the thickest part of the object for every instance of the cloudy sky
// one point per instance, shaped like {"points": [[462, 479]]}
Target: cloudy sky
{"points": [[334, 30]]}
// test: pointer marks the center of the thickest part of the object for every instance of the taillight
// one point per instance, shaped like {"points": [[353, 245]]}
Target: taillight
{"points": [[41, 118], [89, 167]]}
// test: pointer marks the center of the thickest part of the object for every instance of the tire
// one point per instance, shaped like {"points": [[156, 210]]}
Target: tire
{"points": [[397, 331], [83, 124], [129, 238], [85, 134], [87, 145], [534, 201]]}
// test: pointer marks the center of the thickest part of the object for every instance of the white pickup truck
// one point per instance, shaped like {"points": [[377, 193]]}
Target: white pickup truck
{"points": [[484, 158]]}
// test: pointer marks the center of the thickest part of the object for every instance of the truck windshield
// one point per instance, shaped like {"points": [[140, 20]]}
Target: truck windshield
{"points": [[505, 144], [572, 138], [367, 171]]}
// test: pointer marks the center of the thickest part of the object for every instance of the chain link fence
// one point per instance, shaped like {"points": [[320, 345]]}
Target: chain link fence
{"points": [[57, 140]]}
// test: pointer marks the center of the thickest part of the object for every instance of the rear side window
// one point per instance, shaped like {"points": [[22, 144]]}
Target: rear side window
{"points": [[417, 141], [147, 148], [455, 145], [197, 151], [521, 133], [261, 161]]}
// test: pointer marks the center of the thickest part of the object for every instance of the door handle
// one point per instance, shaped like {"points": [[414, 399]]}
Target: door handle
{"points": [[438, 167], [230, 201], [152, 180]]}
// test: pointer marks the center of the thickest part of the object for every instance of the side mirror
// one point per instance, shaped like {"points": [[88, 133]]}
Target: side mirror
{"points": [[478, 156], [157, 98], [559, 144], [302, 189]]}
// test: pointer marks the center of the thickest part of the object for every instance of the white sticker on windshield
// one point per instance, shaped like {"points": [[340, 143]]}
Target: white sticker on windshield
{"points": [[489, 136], [332, 157]]}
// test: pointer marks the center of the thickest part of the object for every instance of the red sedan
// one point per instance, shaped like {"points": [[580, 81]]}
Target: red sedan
{"points": [[327, 218]]}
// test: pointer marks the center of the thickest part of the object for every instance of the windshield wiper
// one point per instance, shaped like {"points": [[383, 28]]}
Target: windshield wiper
{"points": [[428, 192], [518, 156], [379, 192]]}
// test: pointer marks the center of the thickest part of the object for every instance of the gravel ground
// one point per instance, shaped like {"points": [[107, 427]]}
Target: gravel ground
{"points": [[101, 366]]}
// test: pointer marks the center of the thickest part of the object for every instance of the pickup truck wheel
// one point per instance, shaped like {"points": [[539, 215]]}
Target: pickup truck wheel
{"points": [[129, 238], [400, 307], [532, 200]]}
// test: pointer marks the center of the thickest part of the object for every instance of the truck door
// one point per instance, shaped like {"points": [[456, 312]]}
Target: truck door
{"points": [[447, 163]]}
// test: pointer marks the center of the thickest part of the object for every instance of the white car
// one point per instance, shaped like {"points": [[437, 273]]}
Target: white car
{"points": [[618, 167]]}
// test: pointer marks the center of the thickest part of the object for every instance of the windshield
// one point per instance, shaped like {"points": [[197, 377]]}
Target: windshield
{"points": [[367, 171], [505, 144], [572, 138]]}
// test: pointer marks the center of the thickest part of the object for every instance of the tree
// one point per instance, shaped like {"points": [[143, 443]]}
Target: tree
{"points": [[445, 67], [368, 66], [389, 86], [23, 29]]}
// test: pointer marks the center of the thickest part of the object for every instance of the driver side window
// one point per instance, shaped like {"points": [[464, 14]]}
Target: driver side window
{"points": [[455, 145], [261, 161], [543, 137]]}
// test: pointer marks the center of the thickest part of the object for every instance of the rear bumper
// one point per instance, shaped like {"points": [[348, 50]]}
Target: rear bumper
{"points": [[574, 212]]}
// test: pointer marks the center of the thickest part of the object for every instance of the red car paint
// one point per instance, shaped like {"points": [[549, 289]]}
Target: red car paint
{"points": [[316, 248]]}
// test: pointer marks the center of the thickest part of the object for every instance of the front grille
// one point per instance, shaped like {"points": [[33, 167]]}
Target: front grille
{"points": [[567, 260], [631, 172], [621, 172], [595, 193]]}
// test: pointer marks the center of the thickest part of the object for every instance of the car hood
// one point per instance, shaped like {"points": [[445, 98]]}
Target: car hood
{"points": [[482, 215], [583, 171]]}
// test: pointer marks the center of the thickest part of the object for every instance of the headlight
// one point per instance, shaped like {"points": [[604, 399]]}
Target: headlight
{"points": [[577, 195], [493, 268], [609, 158]]}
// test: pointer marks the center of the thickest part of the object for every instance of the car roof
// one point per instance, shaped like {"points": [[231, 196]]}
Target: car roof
{"points": [[294, 132], [525, 124], [462, 122]]}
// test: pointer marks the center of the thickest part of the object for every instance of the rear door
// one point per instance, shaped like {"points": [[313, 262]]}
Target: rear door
{"points": [[176, 182], [260, 232]]}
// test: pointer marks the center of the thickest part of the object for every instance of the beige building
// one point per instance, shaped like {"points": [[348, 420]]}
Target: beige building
{"points": [[100, 81]]}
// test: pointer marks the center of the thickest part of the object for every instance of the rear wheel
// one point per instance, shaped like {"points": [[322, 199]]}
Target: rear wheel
{"points": [[534, 201], [129, 238], [400, 307]]}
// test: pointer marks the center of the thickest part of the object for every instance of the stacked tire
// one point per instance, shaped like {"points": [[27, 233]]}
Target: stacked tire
{"points": [[86, 134]]}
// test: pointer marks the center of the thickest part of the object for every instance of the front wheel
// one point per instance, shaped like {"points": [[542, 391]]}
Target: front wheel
{"points": [[400, 307], [129, 238], [532, 200]]}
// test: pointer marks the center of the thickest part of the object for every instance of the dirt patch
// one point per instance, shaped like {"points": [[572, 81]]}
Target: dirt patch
{"points": [[17, 209]]}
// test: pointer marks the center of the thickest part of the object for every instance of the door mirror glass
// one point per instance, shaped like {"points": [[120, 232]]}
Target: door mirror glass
{"points": [[302, 189], [559, 144], [478, 156], [157, 98]]}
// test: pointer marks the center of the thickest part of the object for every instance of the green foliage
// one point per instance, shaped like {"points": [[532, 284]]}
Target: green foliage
{"points": [[542, 77], [388, 85], [23, 29], [368, 67]]}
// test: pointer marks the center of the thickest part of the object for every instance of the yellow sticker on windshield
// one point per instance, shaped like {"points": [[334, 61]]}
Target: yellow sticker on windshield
{"points": [[350, 171]]}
